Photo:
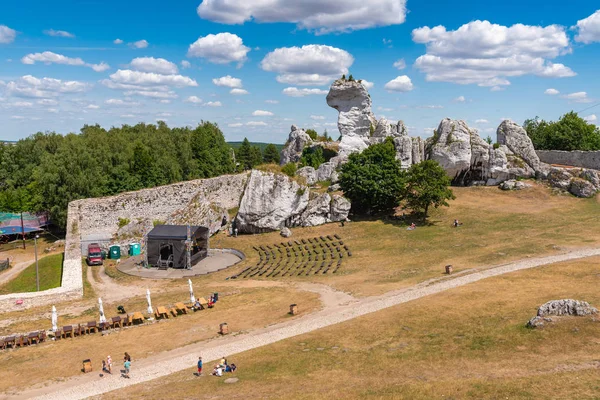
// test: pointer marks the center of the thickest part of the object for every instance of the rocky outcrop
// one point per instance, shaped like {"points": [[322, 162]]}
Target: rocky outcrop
{"points": [[269, 201], [340, 208], [274, 201], [451, 148], [418, 150], [512, 184], [285, 232], [566, 307], [297, 141], [327, 172], [308, 173], [201, 213], [514, 136], [355, 119], [577, 181]]}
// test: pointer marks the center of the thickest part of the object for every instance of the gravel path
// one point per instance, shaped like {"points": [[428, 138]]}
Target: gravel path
{"points": [[185, 357]]}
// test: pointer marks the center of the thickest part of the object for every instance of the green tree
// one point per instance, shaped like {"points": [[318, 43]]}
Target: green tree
{"points": [[488, 139], [312, 133], [373, 180], [569, 133], [271, 154], [312, 157], [427, 185]]}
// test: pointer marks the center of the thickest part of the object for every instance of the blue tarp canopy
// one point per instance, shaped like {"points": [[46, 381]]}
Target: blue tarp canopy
{"points": [[16, 230]]}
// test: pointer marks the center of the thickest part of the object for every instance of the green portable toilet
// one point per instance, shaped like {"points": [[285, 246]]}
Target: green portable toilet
{"points": [[134, 249], [115, 252]]}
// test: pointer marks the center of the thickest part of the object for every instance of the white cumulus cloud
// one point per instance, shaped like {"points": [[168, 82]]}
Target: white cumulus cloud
{"points": [[117, 41], [311, 64], [256, 123], [272, 101], [317, 117], [155, 94], [368, 85], [52, 32], [140, 44], [488, 54], [48, 57], [237, 91], [400, 64], [213, 104], [295, 92], [138, 78], [235, 125], [7, 35], [399, 84], [262, 113], [222, 48], [92, 107], [151, 64], [551, 92], [186, 64], [30, 86], [482, 121], [588, 29], [228, 81], [578, 97], [121, 103], [318, 16], [460, 99], [193, 99], [591, 118]]}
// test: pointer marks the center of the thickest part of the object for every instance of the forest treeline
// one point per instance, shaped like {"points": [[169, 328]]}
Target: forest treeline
{"points": [[46, 171]]}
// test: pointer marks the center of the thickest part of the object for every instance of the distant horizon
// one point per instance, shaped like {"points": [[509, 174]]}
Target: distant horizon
{"points": [[255, 73]]}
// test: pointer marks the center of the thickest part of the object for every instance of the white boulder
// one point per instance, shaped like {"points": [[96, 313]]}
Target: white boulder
{"points": [[514, 136]]}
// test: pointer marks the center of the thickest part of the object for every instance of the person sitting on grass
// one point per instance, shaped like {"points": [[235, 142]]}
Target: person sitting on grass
{"points": [[218, 371], [230, 368], [456, 223], [412, 227]]}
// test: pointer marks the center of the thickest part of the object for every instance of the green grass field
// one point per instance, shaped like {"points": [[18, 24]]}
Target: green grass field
{"points": [[50, 270]]}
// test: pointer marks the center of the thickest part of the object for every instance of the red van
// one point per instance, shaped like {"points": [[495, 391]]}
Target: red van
{"points": [[94, 256]]}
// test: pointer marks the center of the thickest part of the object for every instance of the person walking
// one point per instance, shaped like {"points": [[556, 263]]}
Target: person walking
{"points": [[127, 366], [199, 366], [109, 364], [127, 357]]}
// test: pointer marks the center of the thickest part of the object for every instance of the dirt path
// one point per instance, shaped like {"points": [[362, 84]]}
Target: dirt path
{"points": [[108, 289], [346, 309], [14, 271]]}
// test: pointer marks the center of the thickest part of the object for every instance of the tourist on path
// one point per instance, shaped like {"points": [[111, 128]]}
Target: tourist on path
{"points": [[127, 366], [109, 364], [199, 366], [127, 357]]}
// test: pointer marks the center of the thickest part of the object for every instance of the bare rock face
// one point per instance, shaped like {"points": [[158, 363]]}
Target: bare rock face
{"points": [[355, 118], [308, 173], [515, 138], [269, 201], [327, 172], [418, 150], [297, 141], [582, 188], [404, 150], [513, 184], [340, 208], [317, 211], [201, 213], [566, 307], [451, 148], [285, 232]]}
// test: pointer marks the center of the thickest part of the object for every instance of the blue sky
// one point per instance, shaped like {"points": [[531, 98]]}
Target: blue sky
{"points": [[257, 67]]}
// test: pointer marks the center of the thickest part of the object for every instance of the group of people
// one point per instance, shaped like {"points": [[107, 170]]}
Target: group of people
{"points": [[219, 369], [107, 365]]}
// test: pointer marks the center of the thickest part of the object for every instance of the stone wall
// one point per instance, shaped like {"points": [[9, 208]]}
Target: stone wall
{"points": [[582, 159], [72, 279], [159, 203]]}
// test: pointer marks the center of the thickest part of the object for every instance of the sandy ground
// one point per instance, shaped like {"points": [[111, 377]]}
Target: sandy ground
{"points": [[338, 307]]}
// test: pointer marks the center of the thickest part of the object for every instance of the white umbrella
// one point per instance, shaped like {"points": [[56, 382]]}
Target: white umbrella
{"points": [[150, 311], [192, 298], [101, 309], [54, 319]]}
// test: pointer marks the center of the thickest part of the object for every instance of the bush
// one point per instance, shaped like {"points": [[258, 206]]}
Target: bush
{"points": [[496, 145], [123, 222], [289, 169], [312, 133]]}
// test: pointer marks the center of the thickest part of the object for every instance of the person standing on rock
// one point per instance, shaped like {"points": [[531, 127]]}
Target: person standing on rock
{"points": [[199, 366]]}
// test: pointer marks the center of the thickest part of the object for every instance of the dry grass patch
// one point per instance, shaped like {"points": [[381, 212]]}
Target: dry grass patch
{"points": [[499, 227], [241, 309], [466, 343]]}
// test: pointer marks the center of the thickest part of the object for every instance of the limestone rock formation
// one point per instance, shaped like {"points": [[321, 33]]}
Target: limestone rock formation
{"points": [[577, 181], [566, 307], [269, 201], [513, 184], [317, 211], [451, 148], [201, 213], [582, 188], [285, 232], [308, 173], [515, 138], [297, 141], [340, 208], [355, 119], [418, 150], [327, 172], [538, 322]]}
